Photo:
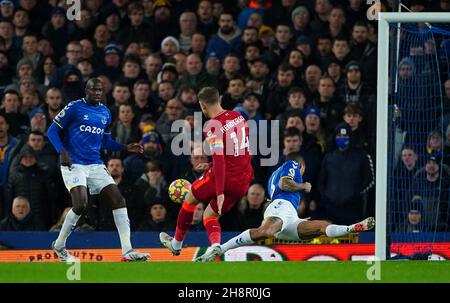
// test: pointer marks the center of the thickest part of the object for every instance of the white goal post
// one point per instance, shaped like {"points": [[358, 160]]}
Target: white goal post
{"points": [[384, 19]]}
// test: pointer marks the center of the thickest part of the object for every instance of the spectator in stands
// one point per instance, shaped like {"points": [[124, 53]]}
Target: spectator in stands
{"points": [[54, 103], [324, 46], [296, 104], [46, 71], [30, 100], [207, 24], [137, 30], [135, 163], [21, 218], [31, 181], [149, 188], [413, 223], [235, 93], [56, 30], [341, 50], [169, 47], [72, 88], [83, 27], [435, 143], [166, 91], [173, 111], [314, 128], [300, 19], [11, 45], [86, 68], [429, 183], [282, 44], [6, 72], [195, 76], [6, 9], [188, 98], [152, 65], [227, 39], [250, 210], [361, 138], [313, 73], [18, 123], [121, 94], [157, 219], [277, 100], [231, 69], [124, 130], [164, 20], [331, 108], [355, 89], [73, 55], [30, 50], [38, 121], [346, 176], [188, 26], [197, 219], [364, 51]]}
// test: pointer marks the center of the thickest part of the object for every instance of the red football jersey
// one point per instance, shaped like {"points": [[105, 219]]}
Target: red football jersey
{"points": [[227, 137]]}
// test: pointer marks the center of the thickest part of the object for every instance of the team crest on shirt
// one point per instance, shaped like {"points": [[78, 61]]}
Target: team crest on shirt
{"points": [[85, 117], [75, 180], [104, 121]]}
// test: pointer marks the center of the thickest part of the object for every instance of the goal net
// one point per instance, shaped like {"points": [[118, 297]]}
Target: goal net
{"points": [[413, 179]]}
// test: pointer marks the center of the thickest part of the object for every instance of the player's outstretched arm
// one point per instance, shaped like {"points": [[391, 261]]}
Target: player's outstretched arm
{"points": [[288, 184]]}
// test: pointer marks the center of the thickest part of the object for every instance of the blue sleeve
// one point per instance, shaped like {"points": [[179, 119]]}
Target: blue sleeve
{"points": [[110, 144], [289, 170], [64, 117], [53, 136]]}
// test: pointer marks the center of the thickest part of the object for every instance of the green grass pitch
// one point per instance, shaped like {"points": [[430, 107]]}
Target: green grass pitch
{"points": [[185, 272]]}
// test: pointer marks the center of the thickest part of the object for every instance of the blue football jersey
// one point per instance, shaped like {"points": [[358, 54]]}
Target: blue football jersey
{"points": [[289, 169], [83, 127]]}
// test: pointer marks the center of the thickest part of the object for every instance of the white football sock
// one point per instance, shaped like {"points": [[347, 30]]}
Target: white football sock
{"points": [[177, 244], [123, 228], [334, 230], [240, 240], [68, 226]]}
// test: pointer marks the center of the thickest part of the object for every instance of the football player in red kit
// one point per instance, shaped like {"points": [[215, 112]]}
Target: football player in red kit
{"points": [[228, 177]]}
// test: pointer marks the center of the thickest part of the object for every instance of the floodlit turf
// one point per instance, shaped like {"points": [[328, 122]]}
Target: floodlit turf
{"points": [[338, 271]]}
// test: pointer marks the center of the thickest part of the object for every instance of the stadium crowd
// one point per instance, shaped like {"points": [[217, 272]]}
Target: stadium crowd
{"points": [[311, 65]]}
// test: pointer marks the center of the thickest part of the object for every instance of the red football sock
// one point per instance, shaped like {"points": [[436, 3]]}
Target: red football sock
{"points": [[213, 229], [184, 220]]}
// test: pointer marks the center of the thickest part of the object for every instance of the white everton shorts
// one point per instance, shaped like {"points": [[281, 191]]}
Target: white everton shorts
{"points": [[284, 210], [94, 176]]}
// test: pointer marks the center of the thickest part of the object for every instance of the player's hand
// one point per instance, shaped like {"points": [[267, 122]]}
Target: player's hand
{"points": [[65, 159], [220, 199], [307, 187], [135, 148], [202, 167]]}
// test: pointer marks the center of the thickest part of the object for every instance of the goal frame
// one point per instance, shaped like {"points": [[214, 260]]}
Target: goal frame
{"points": [[384, 19]]}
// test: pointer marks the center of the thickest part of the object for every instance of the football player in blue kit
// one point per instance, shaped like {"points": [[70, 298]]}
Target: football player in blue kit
{"points": [[280, 217], [84, 125]]}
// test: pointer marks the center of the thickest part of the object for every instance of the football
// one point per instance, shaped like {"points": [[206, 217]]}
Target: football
{"points": [[178, 190]]}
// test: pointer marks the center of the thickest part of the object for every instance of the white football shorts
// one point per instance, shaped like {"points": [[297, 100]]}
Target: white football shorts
{"points": [[94, 176], [284, 210]]}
